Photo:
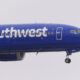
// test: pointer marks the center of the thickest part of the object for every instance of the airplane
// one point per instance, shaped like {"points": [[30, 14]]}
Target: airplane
{"points": [[17, 39]]}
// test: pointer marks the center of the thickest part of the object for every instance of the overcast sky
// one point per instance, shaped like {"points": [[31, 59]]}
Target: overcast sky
{"points": [[47, 65]]}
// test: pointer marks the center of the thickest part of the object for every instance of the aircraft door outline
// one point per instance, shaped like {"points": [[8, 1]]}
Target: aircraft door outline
{"points": [[59, 33]]}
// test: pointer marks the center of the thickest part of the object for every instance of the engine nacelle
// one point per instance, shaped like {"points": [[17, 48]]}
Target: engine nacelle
{"points": [[14, 56]]}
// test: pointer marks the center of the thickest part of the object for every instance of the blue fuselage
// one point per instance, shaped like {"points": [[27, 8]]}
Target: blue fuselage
{"points": [[38, 37]]}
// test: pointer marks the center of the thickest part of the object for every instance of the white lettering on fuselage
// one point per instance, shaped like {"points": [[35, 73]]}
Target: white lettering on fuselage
{"points": [[11, 32]]}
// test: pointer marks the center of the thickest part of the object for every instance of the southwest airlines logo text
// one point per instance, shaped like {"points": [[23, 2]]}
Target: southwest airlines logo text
{"points": [[18, 33]]}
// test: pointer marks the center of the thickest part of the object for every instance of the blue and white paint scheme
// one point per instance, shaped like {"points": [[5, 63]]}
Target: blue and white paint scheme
{"points": [[17, 39]]}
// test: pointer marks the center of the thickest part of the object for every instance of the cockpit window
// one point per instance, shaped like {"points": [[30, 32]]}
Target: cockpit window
{"points": [[75, 31]]}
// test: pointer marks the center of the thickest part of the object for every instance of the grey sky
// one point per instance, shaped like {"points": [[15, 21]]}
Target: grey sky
{"points": [[48, 65]]}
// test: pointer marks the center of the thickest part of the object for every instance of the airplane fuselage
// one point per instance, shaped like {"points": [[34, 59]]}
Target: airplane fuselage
{"points": [[38, 37]]}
